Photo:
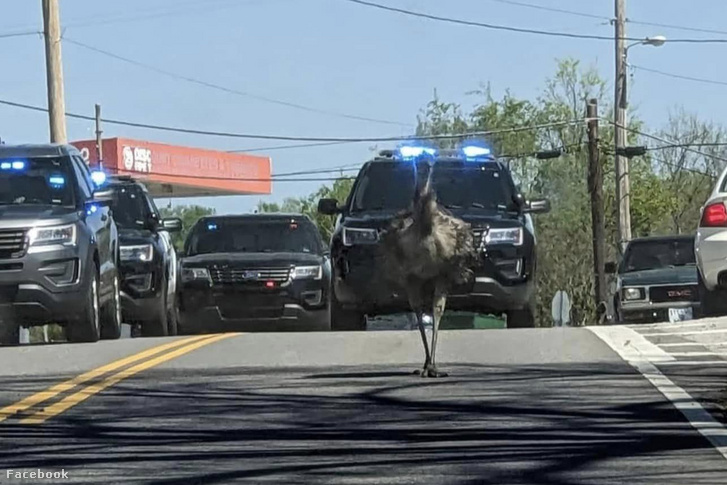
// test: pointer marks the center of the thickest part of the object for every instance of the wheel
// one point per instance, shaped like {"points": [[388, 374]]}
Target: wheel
{"points": [[111, 315], [9, 332], [159, 325], [712, 303], [523, 318], [85, 327], [173, 319], [343, 320]]}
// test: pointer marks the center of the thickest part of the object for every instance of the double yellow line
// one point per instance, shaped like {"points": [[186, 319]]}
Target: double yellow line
{"points": [[146, 360]]}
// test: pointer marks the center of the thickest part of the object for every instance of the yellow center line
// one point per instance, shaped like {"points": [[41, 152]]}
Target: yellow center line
{"points": [[88, 391], [56, 389]]}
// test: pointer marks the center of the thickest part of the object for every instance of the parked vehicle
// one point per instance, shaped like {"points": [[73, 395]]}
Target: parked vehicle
{"points": [[479, 190], [656, 281], [254, 272], [711, 250], [148, 259], [58, 245]]}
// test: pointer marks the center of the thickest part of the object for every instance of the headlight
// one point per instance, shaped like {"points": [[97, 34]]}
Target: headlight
{"points": [[195, 274], [634, 294], [307, 273], [353, 236], [510, 235], [65, 235], [143, 253]]}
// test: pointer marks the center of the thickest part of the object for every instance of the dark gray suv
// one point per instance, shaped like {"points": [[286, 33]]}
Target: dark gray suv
{"points": [[58, 245]]}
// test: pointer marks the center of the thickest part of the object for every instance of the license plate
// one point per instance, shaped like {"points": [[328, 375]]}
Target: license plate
{"points": [[680, 314]]}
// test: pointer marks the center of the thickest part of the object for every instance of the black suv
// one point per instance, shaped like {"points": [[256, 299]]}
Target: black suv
{"points": [[254, 272], [481, 193], [58, 245], [148, 259]]}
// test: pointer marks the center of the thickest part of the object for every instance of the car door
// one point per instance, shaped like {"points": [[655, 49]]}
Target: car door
{"points": [[170, 255], [102, 228]]}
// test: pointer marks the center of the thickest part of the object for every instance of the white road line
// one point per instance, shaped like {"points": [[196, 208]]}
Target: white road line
{"points": [[694, 354], [693, 323], [626, 343], [690, 363], [688, 332], [687, 344]]}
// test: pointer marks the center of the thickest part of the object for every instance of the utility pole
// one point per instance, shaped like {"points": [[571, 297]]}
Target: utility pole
{"points": [[623, 185], [54, 71], [99, 140], [595, 189]]}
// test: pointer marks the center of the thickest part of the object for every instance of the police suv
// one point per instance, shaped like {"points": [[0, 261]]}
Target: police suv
{"points": [[473, 186]]}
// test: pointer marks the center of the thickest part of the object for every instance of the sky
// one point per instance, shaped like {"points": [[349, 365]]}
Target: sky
{"points": [[334, 56]]}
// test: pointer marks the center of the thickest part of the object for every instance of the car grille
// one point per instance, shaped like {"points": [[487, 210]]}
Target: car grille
{"points": [[231, 276], [663, 294], [12, 243], [251, 306]]}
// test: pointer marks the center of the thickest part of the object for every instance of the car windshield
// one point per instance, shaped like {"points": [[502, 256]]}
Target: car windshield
{"points": [[129, 207], [230, 236], [646, 255], [36, 181], [390, 186]]}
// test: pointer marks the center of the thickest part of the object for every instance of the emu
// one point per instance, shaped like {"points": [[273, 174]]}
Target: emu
{"points": [[427, 251]]}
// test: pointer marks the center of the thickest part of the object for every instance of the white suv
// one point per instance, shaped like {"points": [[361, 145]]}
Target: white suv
{"points": [[711, 251]]}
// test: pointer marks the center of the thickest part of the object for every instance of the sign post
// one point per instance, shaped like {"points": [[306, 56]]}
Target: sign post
{"points": [[560, 309]]}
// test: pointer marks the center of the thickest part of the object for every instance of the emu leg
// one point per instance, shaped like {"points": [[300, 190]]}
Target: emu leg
{"points": [[423, 332], [440, 300]]}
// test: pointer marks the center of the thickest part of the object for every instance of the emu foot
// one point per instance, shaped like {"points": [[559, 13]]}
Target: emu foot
{"points": [[430, 371]]}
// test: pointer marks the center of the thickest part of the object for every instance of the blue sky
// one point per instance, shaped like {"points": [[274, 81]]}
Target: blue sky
{"points": [[332, 55]]}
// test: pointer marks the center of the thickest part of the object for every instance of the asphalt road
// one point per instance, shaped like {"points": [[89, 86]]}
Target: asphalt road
{"points": [[551, 406]]}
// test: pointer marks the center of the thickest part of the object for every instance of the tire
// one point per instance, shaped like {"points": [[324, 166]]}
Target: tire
{"points": [[85, 327], [111, 315], [523, 318], [9, 332], [159, 325], [173, 320], [712, 303], [343, 320]]}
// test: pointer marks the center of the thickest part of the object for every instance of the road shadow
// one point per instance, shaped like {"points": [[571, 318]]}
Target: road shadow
{"points": [[554, 424]]}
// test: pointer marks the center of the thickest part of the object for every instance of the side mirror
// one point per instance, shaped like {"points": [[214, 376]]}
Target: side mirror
{"points": [[103, 196], [328, 207], [173, 224], [611, 267], [538, 206]]}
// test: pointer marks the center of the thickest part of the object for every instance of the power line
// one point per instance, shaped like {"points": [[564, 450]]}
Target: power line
{"points": [[520, 30], [231, 90], [679, 76], [20, 34], [286, 147], [272, 178], [223, 134], [603, 17]]}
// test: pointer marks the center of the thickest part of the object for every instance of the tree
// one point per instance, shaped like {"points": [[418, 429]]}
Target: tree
{"points": [[189, 214]]}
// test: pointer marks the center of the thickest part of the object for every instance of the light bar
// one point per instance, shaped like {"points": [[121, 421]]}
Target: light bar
{"points": [[408, 152], [57, 180], [98, 177], [472, 151]]}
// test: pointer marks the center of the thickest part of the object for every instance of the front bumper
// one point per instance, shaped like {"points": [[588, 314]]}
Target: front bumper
{"points": [[300, 305], [142, 292], [647, 312], [45, 286]]}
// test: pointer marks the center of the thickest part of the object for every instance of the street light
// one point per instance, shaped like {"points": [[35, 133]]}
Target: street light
{"points": [[623, 185]]}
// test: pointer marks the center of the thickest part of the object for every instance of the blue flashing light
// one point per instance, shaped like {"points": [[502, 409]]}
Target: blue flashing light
{"points": [[476, 152], [91, 209], [98, 177], [212, 226], [57, 180], [18, 165], [5, 166]]}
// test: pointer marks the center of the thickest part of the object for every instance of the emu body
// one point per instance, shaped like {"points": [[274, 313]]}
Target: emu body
{"points": [[427, 251]]}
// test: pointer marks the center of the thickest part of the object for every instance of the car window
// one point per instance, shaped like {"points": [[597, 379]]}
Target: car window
{"points": [[84, 182], [472, 185], [246, 236], [647, 255], [129, 206], [37, 181], [384, 186]]}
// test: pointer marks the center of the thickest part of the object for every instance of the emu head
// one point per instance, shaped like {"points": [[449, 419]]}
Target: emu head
{"points": [[424, 207]]}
